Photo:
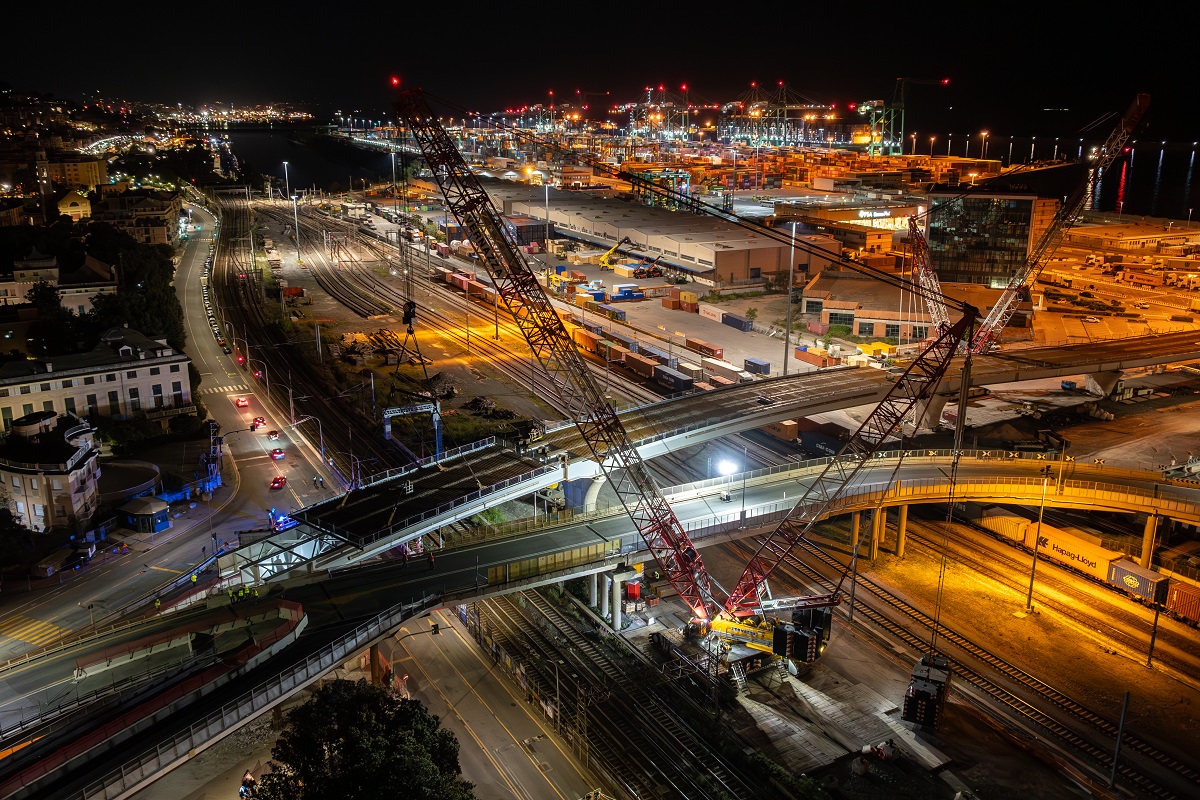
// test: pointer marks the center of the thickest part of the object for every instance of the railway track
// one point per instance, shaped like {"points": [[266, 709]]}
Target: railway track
{"points": [[1000, 565], [624, 709], [1060, 705], [245, 309]]}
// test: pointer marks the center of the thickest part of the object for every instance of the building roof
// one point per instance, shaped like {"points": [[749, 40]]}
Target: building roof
{"points": [[145, 506]]}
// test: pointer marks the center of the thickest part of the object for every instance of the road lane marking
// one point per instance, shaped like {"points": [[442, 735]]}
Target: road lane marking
{"points": [[31, 631], [168, 569]]}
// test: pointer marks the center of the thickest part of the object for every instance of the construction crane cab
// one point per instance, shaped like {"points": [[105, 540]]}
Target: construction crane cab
{"points": [[604, 259]]}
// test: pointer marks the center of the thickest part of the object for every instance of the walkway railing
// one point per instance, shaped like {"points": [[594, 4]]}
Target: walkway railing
{"points": [[232, 715]]}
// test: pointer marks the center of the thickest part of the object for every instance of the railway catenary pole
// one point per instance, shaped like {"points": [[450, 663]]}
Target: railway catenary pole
{"points": [[1037, 540]]}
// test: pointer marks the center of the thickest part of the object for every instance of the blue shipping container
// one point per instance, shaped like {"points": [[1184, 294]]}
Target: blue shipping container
{"points": [[628, 342], [1138, 581], [612, 312], [673, 380], [757, 366], [735, 321]]}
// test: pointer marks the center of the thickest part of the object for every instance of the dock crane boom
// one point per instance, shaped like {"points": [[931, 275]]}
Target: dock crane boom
{"points": [[1068, 214], [601, 429], [1064, 220]]}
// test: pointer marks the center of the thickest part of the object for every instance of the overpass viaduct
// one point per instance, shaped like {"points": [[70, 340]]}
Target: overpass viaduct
{"points": [[417, 501], [602, 543]]}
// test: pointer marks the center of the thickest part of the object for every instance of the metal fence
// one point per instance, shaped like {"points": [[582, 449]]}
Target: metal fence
{"points": [[140, 770]]}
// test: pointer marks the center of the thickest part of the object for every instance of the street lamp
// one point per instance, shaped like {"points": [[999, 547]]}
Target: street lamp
{"points": [[726, 468], [320, 432], [265, 372], [913, 136], [1037, 539], [296, 230], [787, 332], [394, 197], [931, 140], [984, 134], [287, 186]]}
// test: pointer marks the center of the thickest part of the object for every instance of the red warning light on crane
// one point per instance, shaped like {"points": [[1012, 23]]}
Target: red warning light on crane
{"points": [[395, 81]]}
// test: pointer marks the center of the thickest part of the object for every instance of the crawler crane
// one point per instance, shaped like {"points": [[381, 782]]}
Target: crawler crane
{"points": [[745, 614]]}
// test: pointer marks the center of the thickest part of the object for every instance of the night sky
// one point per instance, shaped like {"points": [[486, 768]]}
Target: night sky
{"points": [[1011, 71]]}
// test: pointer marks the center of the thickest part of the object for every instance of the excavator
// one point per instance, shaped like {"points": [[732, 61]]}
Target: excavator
{"points": [[604, 262], [794, 629]]}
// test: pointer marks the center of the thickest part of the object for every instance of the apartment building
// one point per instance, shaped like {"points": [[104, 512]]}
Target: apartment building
{"points": [[50, 468], [127, 375]]}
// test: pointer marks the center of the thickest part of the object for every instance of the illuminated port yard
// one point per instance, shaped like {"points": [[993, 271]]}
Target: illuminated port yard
{"points": [[639, 446]]}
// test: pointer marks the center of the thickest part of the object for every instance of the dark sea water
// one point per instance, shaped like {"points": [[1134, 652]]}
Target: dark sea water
{"points": [[312, 163], [1150, 180]]}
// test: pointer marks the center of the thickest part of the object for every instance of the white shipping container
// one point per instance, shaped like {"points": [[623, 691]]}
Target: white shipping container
{"points": [[715, 366], [711, 312], [1009, 527]]}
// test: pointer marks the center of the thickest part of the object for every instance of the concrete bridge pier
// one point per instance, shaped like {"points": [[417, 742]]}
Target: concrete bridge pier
{"points": [[593, 588], [1148, 536], [929, 412], [901, 530], [604, 595], [878, 520], [593, 493], [1102, 384], [855, 521], [616, 603]]}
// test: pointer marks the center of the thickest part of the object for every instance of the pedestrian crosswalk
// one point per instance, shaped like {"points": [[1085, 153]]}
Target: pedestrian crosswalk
{"points": [[237, 387], [31, 631]]}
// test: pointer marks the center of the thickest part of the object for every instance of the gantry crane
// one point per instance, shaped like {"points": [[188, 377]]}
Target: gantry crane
{"points": [[743, 614], [1068, 215]]}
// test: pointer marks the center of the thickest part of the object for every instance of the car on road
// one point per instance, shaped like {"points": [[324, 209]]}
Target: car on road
{"points": [[1091, 319], [260, 421], [278, 482], [225, 347], [277, 454], [272, 435], [242, 402], [763, 400]]}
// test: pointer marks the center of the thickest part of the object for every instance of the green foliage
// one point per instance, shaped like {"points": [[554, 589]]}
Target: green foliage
{"points": [[18, 544], [840, 332], [355, 741], [752, 313]]}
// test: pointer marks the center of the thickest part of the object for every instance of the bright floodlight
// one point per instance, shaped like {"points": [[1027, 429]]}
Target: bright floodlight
{"points": [[726, 467]]}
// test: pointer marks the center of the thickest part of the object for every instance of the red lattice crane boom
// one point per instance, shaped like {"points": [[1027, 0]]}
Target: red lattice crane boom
{"points": [[518, 288], [599, 425]]}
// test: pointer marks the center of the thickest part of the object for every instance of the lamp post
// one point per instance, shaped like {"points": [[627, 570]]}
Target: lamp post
{"points": [[320, 432], [546, 241], [913, 136], [296, 230], [266, 373], [395, 199], [287, 186], [787, 331], [983, 152], [726, 468], [1189, 219], [1037, 540], [931, 141]]}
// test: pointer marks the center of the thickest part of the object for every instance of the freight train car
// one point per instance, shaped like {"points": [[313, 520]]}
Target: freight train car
{"points": [[586, 340], [672, 379], [640, 365], [612, 352], [1183, 602]]}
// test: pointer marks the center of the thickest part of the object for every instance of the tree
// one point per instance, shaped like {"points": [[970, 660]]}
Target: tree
{"points": [[355, 741]]}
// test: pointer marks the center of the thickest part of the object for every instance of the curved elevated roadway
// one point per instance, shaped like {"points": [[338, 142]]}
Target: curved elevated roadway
{"points": [[515, 559], [356, 528]]}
